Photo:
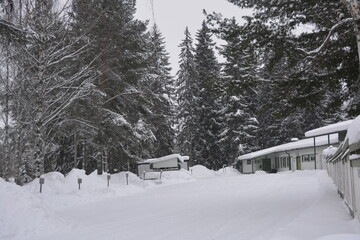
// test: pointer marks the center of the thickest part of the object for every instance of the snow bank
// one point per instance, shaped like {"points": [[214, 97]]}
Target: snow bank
{"points": [[175, 176], [21, 213], [199, 171], [63, 191], [229, 171], [353, 133], [260, 172]]}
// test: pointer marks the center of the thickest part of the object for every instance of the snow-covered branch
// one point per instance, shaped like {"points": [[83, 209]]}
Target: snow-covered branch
{"points": [[327, 39]]}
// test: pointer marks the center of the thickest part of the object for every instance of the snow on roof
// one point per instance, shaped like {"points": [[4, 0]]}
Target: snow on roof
{"points": [[332, 128], [168, 157], [330, 151], [305, 143], [353, 133]]}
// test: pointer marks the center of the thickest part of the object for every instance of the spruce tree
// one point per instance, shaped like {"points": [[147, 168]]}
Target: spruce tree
{"points": [[161, 84], [187, 92], [206, 145], [119, 54], [240, 93]]}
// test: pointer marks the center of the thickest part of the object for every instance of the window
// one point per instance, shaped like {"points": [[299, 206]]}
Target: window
{"points": [[248, 162], [308, 158], [284, 162], [277, 162]]}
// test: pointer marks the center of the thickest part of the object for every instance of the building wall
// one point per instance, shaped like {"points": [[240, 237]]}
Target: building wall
{"points": [[247, 166], [171, 163], [143, 168], [168, 164], [279, 163]]}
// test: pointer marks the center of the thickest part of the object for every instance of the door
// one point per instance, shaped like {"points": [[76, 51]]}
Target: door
{"points": [[267, 164], [298, 163]]}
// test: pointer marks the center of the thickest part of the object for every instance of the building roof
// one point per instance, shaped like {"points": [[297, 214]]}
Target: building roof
{"points": [[305, 143], [168, 157], [332, 128], [353, 133]]}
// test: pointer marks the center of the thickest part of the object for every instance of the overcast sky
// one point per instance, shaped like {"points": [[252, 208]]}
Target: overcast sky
{"points": [[172, 16]]}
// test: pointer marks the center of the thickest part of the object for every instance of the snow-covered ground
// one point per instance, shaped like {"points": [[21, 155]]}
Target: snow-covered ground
{"points": [[203, 205]]}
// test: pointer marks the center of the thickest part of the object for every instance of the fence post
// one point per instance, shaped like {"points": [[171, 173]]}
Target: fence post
{"points": [[41, 181], [79, 182], [108, 179]]}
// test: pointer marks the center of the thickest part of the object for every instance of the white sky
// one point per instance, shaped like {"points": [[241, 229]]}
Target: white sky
{"points": [[172, 17]]}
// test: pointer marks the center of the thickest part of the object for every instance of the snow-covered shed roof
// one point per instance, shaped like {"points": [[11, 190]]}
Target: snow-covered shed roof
{"points": [[305, 143], [168, 157], [332, 128], [353, 132]]}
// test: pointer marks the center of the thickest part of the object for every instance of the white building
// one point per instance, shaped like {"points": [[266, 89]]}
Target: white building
{"points": [[167, 163], [304, 154]]}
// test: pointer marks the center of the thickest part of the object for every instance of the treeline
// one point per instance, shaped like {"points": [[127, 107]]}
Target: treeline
{"points": [[89, 86], [85, 85]]}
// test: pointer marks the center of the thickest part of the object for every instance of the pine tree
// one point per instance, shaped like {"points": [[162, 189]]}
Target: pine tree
{"points": [[187, 94]]}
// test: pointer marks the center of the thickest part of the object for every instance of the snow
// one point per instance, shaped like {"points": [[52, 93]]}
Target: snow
{"points": [[330, 151], [208, 204], [333, 128], [340, 237], [22, 213], [354, 156], [168, 157], [199, 171], [353, 133], [305, 143]]}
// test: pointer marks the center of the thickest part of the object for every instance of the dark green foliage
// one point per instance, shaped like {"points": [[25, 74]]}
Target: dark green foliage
{"points": [[301, 90], [162, 86], [206, 147], [187, 90]]}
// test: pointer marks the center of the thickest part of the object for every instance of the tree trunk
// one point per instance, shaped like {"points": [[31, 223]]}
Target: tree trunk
{"points": [[353, 7]]}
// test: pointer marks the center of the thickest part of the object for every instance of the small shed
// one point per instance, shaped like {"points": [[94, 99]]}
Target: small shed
{"points": [[167, 163]]}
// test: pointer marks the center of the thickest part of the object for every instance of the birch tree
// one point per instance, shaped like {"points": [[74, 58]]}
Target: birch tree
{"points": [[46, 85]]}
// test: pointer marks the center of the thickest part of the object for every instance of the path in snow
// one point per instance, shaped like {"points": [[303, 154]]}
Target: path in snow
{"points": [[287, 206]]}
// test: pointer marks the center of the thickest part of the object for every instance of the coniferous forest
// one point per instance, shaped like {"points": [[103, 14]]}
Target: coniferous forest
{"points": [[87, 85]]}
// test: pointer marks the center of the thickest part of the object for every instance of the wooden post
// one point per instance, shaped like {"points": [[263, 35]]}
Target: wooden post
{"points": [[79, 182], [315, 151], [41, 181], [75, 150]]}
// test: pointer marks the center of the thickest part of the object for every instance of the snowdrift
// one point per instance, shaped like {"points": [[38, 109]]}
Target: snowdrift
{"points": [[22, 212], [199, 171]]}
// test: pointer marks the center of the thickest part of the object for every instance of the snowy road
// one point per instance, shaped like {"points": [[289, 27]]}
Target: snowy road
{"points": [[288, 206]]}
